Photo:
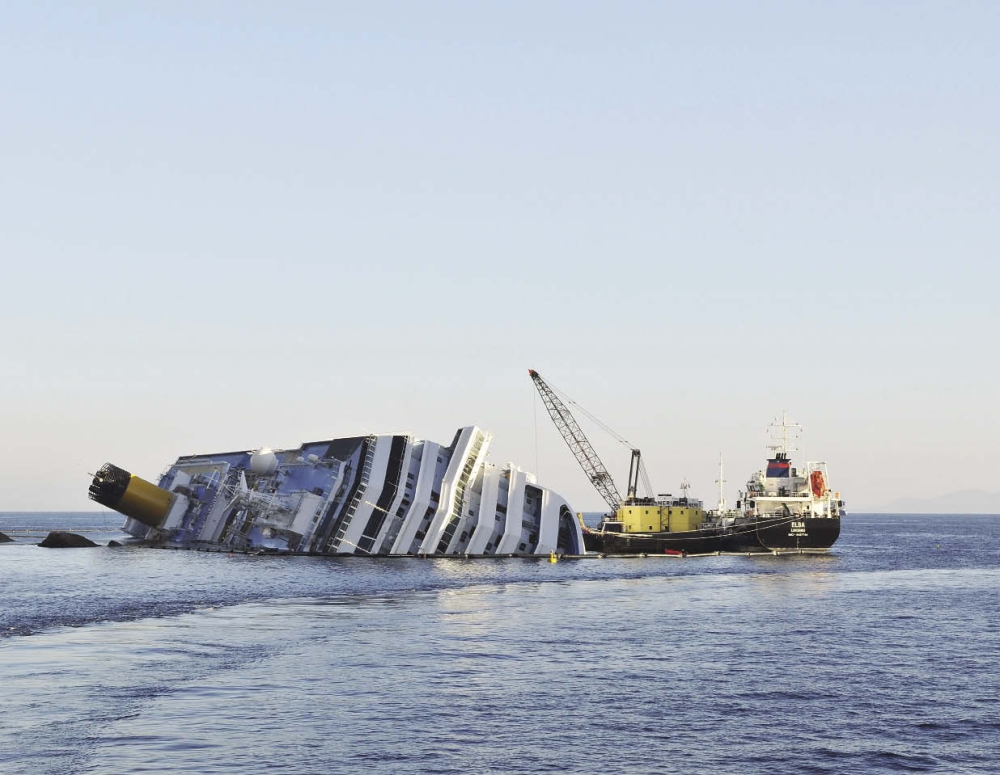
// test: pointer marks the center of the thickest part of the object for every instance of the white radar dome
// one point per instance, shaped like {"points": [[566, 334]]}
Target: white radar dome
{"points": [[263, 462]]}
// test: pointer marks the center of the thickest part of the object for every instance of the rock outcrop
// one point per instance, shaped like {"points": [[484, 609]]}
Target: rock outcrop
{"points": [[59, 539]]}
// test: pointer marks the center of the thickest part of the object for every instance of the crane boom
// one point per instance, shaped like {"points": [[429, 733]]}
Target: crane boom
{"points": [[577, 442]]}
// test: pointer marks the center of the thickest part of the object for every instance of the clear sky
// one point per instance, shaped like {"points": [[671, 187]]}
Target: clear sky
{"points": [[233, 224]]}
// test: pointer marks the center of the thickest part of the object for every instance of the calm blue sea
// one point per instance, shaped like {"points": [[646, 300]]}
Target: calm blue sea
{"points": [[881, 657]]}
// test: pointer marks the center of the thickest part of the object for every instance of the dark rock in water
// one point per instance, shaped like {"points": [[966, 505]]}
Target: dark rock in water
{"points": [[112, 542], [59, 539], [5, 539]]}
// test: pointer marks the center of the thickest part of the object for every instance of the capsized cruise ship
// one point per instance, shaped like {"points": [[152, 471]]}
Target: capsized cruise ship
{"points": [[367, 495]]}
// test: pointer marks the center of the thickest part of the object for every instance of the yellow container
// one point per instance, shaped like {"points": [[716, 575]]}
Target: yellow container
{"points": [[660, 518]]}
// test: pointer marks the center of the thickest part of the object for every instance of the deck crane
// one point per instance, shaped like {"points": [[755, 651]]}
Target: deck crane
{"points": [[584, 452]]}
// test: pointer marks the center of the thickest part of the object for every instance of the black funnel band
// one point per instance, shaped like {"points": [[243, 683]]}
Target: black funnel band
{"points": [[109, 485]]}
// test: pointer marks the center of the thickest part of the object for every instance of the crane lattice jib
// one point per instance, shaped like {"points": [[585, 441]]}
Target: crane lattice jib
{"points": [[578, 443]]}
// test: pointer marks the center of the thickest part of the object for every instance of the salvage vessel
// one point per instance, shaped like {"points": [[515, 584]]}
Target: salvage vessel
{"points": [[388, 494], [784, 509]]}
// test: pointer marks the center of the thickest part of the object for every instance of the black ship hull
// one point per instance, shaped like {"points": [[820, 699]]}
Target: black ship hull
{"points": [[760, 535]]}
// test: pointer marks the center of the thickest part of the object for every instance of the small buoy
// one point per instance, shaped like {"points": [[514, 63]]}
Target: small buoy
{"points": [[553, 557]]}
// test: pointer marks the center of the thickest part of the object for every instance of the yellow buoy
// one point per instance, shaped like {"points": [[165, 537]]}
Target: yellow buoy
{"points": [[553, 557]]}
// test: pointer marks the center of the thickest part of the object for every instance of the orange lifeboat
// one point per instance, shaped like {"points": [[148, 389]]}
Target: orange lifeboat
{"points": [[817, 483]]}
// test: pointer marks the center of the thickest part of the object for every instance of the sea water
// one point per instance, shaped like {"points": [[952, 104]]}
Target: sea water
{"points": [[879, 657]]}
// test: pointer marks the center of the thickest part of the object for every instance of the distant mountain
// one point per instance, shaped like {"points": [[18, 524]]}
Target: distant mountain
{"points": [[959, 502]]}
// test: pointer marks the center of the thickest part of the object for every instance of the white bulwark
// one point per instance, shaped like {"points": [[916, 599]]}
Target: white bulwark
{"points": [[372, 495]]}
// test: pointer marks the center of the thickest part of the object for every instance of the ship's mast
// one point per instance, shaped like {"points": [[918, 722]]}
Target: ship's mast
{"points": [[785, 427], [721, 482]]}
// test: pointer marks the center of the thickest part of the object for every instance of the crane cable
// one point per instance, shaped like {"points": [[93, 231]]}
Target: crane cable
{"points": [[617, 436], [610, 431], [535, 413], [645, 478]]}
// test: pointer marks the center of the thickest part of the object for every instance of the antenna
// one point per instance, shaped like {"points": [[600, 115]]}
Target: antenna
{"points": [[785, 427], [721, 481]]}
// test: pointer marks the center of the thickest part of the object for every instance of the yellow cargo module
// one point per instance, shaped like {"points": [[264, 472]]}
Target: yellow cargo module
{"points": [[660, 517]]}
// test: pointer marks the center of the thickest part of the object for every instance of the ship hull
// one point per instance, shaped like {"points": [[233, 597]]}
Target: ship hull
{"points": [[761, 535]]}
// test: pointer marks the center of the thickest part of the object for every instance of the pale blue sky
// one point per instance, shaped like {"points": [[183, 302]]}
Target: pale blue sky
{"points": [[228, 225]]}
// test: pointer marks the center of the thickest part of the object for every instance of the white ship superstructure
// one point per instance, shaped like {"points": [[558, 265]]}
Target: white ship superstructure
{"points": [[385, 494], [785, 490]]}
